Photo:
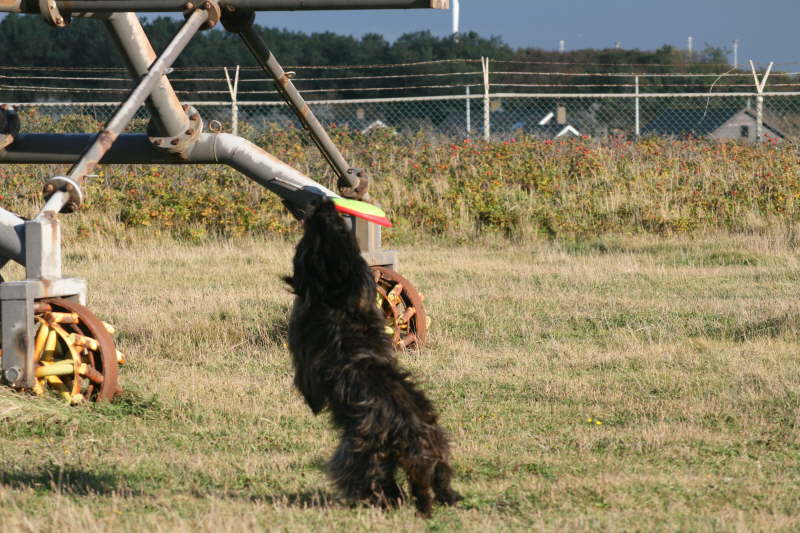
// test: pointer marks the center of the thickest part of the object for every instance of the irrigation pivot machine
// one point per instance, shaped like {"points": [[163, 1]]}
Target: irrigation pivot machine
{"points": [[50, 339]]}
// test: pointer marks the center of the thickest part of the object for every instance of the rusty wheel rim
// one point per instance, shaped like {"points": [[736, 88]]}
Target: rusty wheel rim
{"points": [[402, 305], [98, 381]]}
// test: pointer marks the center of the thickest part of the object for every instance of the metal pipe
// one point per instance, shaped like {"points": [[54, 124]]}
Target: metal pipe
{"points": [[56, 201], [12, 238], [125, 112], [168, 117], [210, 148], [68, 147], [105, 6], [292, 96], [260, 166], [487, 114], [638, 110]]}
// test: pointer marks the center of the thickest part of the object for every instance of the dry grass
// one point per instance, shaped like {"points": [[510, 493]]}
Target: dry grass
{"points": [[684, 350]]}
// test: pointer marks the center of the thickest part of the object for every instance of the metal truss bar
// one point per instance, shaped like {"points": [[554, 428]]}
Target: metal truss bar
{"points": [[210, 148], [270, 64], [106, 6], [12, 237], [168, 117], [124, 113]]}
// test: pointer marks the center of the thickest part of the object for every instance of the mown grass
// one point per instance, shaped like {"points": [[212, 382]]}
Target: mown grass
{"points": [[613, 383]]}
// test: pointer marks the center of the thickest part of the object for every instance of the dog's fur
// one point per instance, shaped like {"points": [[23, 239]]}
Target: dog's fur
{"points": [[344, 361]]}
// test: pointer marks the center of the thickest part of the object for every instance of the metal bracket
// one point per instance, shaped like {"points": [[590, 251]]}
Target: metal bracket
{"points": [[237, 20], [9, 125], [214, 12], [180, 144], [18, 306], [52, 15], [71, 187], [359, 192], [368, 236]]}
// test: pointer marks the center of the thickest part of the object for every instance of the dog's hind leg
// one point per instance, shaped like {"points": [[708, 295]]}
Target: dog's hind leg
{"points": [[420, 477], [442, 476], [349, 471], [391, 495], [365, 475]]}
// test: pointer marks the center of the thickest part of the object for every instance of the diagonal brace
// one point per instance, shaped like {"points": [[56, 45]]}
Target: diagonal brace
{"points": [[353, 182], [68, 188]]}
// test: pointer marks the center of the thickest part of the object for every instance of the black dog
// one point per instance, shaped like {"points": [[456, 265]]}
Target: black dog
{"points": [[344, 360]]}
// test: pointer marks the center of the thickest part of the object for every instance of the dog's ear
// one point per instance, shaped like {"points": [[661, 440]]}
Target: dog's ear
{"points": [[307, 383], [328, 261], [289, 280]]}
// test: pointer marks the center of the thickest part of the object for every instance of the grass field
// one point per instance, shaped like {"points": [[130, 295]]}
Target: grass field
{"points": [[624, 383]]}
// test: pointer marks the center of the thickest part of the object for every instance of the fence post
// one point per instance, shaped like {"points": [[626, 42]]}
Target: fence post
{"points": [[487, 126], [637, 107], [760, 84], [469, 117], [233, 90]]}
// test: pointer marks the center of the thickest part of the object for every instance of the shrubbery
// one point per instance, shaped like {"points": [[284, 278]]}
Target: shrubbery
{"points": [[517, 187]]}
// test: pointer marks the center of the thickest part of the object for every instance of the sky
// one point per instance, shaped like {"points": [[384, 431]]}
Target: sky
{"points": [[766, 29]]}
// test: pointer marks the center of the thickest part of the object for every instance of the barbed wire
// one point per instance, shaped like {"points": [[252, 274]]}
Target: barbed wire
{"points": [[639, 74], [209, 91], [48, 74], [583, 63], [641, 85], [404, 76], [251, 68], [248, 80]]}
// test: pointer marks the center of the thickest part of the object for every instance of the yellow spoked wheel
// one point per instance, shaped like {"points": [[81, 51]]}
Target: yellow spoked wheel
{"points": [[74, 353], [406, 320]]}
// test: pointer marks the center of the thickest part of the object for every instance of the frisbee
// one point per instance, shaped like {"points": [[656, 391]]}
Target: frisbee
{"points": [[362, 210]]}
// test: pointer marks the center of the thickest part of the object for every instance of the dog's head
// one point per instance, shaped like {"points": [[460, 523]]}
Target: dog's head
{"points": [[328, 267]]}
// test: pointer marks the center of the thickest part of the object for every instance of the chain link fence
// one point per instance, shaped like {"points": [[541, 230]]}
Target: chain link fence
{"points": [[499, 116]]}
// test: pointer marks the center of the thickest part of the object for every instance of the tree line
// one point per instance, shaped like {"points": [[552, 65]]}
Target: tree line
{"points": [[28, 41]]}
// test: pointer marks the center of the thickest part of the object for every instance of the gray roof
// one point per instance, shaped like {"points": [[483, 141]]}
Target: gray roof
{"points": [[697, 122]]}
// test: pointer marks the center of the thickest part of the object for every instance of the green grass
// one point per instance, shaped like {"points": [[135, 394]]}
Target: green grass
{"points": [[621, 383]]}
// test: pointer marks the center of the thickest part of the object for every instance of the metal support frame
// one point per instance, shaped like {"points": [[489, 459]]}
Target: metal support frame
{"points": [[164, 6], [174, 137], [168, 118], [352, 180]]}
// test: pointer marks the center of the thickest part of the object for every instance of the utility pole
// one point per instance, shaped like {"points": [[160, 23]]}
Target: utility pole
{"points": [[736, 53], [456, 17]]}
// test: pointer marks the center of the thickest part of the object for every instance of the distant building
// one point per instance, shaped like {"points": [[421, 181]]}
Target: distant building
{"points": [[532, 122], [715, 123]]}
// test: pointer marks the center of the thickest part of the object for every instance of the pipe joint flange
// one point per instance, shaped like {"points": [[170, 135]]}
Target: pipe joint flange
{"points": [[214, 12], [359, 192], [237, 20], [179, 144], [9, 125], [71, 187], [50, 13]]}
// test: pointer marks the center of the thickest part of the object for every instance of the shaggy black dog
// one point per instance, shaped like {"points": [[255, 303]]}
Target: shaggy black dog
{"points": [[344, 361]]}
